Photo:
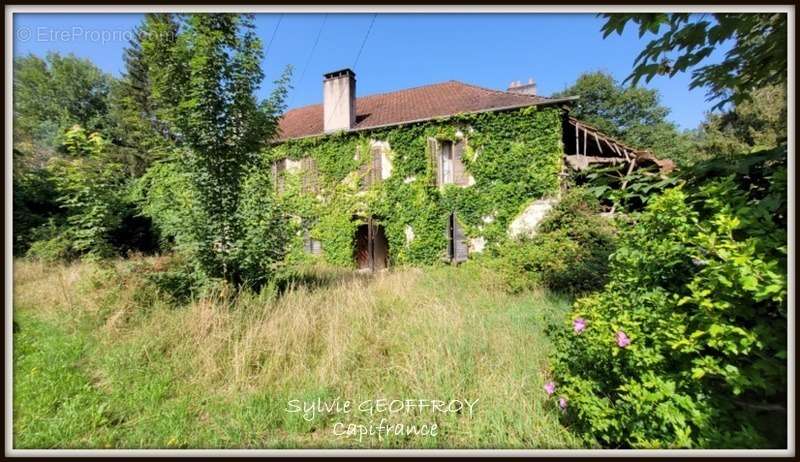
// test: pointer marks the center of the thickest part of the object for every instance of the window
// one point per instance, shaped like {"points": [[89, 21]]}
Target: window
{"points": [[446, 162]]}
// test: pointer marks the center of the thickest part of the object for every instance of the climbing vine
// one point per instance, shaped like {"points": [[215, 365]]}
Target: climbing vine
{"points": [[515, 157]]}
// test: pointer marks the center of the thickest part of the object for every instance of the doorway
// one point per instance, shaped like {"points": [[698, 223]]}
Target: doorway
{"points": [[371, 250]]}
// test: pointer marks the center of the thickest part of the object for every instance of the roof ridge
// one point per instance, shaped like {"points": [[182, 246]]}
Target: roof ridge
{"points": [[502, 92], [427, 85]]}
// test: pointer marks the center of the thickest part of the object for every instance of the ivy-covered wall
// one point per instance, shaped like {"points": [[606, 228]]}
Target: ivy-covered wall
{"points": [[514, 157]]}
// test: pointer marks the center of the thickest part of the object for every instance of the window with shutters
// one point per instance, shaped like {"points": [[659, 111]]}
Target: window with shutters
{"points": [[449, 165]]}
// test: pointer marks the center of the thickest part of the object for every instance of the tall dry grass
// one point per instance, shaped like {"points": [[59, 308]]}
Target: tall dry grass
{"points": [[233, 362]]}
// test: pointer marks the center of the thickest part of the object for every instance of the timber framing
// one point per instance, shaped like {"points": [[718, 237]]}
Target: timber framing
{"points": [[586, 145]]}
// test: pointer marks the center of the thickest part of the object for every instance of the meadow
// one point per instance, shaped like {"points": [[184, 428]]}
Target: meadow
{"points": [[105, 358]]}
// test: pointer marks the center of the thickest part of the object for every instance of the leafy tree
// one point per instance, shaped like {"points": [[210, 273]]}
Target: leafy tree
{"points": [[634, 115], [203, 79], [757, 59], [50, 96], [139, 135], [91, 190], [750, 126]]}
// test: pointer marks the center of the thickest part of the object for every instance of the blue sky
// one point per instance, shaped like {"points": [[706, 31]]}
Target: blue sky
{"points": [[401, 51]]}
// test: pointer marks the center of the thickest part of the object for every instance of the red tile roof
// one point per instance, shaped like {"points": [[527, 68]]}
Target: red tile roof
{"points": [[410, 105]]}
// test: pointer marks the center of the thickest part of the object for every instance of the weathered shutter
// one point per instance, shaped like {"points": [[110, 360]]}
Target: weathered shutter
{"points": [[307, 242], [460, 175], [448, 234], [316, 247], [433, 160], [363, 169], [309, 175], [460, 249], [376, 151], [277, 170], [274, 168]]}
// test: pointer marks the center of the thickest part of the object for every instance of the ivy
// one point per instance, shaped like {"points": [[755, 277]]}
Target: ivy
{"points": [[514, 156]]}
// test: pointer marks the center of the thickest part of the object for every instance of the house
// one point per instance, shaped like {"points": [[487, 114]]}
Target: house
{"points": [[427, 174]]}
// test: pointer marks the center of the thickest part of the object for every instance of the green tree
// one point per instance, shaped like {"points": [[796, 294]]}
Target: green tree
{"points": [[203, 80], [139, 136], [634, 115], [757, 59], [50, 96], [90, 189], [750, 126]]}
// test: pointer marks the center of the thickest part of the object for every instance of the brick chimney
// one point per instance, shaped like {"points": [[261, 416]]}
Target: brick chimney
{"points": [[523, 88], [339, 100]]}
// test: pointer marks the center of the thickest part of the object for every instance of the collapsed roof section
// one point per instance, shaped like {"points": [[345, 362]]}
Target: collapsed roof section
{"points": [[586, 146]]}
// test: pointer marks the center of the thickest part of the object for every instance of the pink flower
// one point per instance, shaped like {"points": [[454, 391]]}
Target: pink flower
{"points": [[622, 339], [562, 403], [578, 325], [550, 388]]}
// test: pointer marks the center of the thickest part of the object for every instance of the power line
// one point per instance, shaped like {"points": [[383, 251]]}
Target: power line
{"points": [[274, 33], [313, 48], [366, 36], [358, 56]]}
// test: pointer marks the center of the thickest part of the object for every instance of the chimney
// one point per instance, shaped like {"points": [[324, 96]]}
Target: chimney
{"points": [[523, 88], [339, 100]]}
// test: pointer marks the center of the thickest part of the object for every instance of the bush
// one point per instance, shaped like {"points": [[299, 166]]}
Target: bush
{"points": [[90, 187], [686, 344], [52, 249], [568, 254]]}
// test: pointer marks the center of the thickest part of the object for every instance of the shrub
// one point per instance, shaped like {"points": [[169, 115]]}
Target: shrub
{"points": [[90, 188], [686, 344], [569, 253], [57, 247]]}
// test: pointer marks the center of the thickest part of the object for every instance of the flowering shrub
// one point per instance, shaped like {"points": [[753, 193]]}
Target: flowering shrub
{"points": [[686, 344]]}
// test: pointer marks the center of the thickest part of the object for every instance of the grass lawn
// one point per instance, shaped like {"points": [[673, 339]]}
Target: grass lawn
{"points": [[104, 359]]}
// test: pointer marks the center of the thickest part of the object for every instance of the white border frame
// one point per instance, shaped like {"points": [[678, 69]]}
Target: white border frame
{"points": [[9, 451]]}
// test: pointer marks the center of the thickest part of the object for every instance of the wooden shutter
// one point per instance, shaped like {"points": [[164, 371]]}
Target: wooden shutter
{"points": [[309, 176], [376, 151], [433, 160], [460, 175], [363, 170], [278, 168], [460, 249]]}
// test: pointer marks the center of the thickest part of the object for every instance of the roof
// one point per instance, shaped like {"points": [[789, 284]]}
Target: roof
{"points": [[410, 105]]}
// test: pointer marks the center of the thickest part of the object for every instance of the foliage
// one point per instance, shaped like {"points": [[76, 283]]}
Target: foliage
{"points": [[756, 59], [164, 195], [135, 129], [203, 76], [50, 96], [34, 206], [750, 126], [686, 344], [634, 115], [513, 156], [51, 244], [89, 188], [261, 247], [569, 252], [621, 191]]}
